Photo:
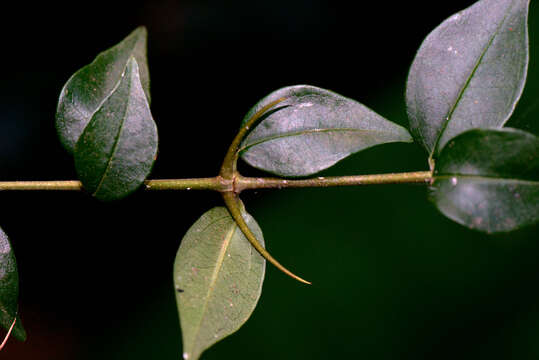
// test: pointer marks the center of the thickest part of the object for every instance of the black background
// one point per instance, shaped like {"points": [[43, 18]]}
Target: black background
{"points": [[392, 277]]}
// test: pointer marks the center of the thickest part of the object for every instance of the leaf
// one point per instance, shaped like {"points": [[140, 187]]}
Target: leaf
{"points": [[218, 279], [117, 149], [488, 180], [9, 288], [312, 130], [88, 88], [469, 72]]}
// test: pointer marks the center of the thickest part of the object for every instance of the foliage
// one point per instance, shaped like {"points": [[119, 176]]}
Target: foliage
{"points": [[218, 278], [487, 179], [311, 130], [462, 88]]}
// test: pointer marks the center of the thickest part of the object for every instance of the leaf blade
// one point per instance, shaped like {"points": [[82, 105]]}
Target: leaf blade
{"points": [[9, 288], [488, 180], [469, 72], [218, 280], [89, 87], [117, 149], [312, 130]]}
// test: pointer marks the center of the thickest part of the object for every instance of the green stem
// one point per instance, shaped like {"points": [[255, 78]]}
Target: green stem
{"points": [[215, 183], [69, 185], [247, 183], [237, 185]]}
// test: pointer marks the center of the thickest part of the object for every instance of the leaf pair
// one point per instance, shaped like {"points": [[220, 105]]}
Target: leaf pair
{"points": [[218, 275], [104, 120], [469, 73]]}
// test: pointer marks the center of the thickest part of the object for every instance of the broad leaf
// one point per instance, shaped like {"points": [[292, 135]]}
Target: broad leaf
{"points": [[9, 288], [311, 130], [88, 88], [218, 279], [469, 72], [117, 149], [489, 180]]}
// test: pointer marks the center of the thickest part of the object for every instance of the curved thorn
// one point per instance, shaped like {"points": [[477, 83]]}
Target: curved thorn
{"points": [[256, 116], [233, 206], [8, 334], [229, 164]]}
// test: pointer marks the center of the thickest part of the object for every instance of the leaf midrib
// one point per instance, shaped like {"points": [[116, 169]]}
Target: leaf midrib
{"points": [[305, 132], [117, 139], [215, 275], [467, 83]]}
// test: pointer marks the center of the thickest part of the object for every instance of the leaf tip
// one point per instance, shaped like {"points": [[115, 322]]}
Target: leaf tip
{"points": [[140, 32]]}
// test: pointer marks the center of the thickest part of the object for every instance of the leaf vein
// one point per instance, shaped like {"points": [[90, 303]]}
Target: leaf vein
{"points": [[115, 145], [215, 275], [305, 132], [467, 83]]}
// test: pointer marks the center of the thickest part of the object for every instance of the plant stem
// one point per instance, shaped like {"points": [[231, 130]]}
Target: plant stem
{"points": [[247, 183], [238, 185], [215, 183], [69, 185]]}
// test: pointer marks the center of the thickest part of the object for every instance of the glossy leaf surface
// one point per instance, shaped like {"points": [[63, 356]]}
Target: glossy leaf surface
{"points": [[9, 288], [469, 72], [218, 279], [85, 92], [117, 149], [311, 130], [488, 180]]}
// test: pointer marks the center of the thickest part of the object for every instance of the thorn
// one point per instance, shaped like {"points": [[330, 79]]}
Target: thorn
{"points": [[261, 112], [233, 206]]}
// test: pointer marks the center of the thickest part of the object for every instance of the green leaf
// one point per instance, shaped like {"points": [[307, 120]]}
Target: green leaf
{"points": [[218, 279], [9, 288], [488, 180], [88, 88], [311, 130], [469, 72], [117, 149]]}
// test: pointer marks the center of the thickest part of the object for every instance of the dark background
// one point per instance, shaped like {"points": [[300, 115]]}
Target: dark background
{"points": [[393, 279]]}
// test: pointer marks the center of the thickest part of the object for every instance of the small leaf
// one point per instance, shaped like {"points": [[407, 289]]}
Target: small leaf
{"points": [[117, 149], [311, 130], [488, 180], [9, 288], [218, 279], [89, 87], [469, 72]]}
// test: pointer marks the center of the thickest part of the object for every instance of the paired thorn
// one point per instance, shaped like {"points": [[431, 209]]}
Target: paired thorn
{"points": [[232, 203]]}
